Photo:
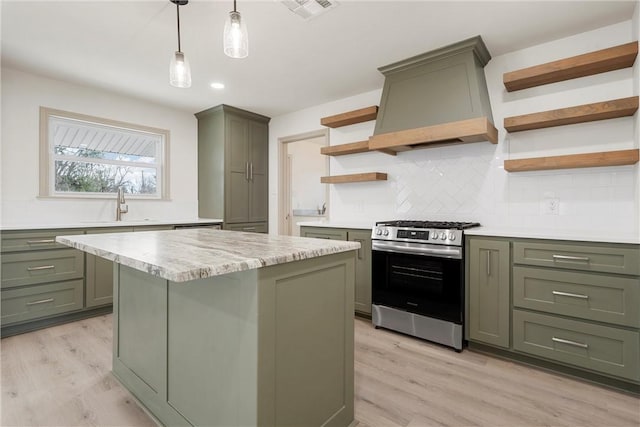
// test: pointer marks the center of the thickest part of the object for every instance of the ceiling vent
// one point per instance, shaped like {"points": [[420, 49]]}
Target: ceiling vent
{"points": [[309, 9]]}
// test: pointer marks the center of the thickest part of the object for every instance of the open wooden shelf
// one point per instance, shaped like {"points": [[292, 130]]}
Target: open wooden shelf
{"points": [[356, 177], [571, 115], [589, 160], [351, 148], [350, 117], [470, 130], [596, 62]]}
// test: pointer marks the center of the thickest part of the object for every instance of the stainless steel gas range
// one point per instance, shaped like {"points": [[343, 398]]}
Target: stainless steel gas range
{"points": [[418, 279]]}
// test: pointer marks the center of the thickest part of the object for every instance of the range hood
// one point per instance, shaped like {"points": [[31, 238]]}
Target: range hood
{"points": [[434, 98]]}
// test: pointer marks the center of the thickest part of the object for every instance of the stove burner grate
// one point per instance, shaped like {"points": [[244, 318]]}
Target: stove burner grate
{"points": [[451, 225]]}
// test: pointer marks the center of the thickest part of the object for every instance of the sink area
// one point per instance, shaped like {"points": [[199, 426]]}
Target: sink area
{"points": [[125, 222]]}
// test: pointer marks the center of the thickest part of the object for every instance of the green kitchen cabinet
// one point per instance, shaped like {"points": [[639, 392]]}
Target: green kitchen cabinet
{"points": [[596, 347], [489, 291], [248, 227], [363, 259], [595, 257], [569, 306], [99, 273], [363, 270], [324, 233], [41, 279], [233, 159]]}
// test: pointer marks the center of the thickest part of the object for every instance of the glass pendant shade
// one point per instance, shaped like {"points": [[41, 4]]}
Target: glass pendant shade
{"points": [[236, 38], [179, 71]]}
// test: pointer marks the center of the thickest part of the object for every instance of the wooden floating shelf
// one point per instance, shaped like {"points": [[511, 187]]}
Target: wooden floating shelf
{"points": [[471, 130], [571, 115], [357, 177], [589, 160], [350, 117], [351, 148], [601, 61], [341, 150]]}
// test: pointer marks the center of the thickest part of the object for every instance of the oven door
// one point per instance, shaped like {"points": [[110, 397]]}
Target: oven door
{"points": [[426, 282]]}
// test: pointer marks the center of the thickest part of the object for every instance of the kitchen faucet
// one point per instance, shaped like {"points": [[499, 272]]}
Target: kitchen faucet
{"points": [[121, 207]]}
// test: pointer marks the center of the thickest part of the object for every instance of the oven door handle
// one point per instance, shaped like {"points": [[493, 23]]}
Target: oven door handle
{"points": [[444, 252]]}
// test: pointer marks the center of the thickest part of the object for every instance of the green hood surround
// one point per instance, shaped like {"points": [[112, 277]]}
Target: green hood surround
{"points": [[437, 97]]}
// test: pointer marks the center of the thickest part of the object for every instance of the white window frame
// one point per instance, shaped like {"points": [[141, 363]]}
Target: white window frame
{"points": [[48, 157]]}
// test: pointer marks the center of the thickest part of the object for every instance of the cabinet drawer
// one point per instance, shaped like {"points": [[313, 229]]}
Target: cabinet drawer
{"points": [[250, 227], [34, 240], [29, 268], [607, 259], [599, 348], [588, 296], [32, 302], [324, 233]]}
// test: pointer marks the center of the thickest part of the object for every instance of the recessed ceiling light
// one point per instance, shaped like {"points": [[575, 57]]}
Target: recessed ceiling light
{"points": [[217, 85]]}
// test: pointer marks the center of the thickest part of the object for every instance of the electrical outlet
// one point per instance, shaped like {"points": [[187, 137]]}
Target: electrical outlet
{"points": [[551, 206]]}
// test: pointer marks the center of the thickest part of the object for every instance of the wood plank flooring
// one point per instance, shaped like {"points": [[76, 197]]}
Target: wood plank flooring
{"points": [[61, 377]]}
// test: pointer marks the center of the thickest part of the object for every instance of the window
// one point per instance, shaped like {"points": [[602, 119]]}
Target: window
{"points": [[84, 156]]}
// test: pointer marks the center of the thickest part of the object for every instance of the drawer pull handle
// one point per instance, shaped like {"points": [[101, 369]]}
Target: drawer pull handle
{"points": [[38, 242], [573, 343], [249, 229], [570, 258], [42, 267], [42, 301], [567, 294]]}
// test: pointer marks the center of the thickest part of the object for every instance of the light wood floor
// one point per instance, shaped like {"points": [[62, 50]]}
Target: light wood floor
{"points": [[60, 377]]}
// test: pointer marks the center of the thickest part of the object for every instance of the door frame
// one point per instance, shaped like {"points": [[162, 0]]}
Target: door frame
{"points": [[284, 176]]}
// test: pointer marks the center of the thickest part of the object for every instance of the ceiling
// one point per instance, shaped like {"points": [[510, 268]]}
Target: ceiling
{"points": [[126, 46]]}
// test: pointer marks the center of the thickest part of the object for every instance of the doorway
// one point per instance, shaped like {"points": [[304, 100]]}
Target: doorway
{"points": [[302, 197]]}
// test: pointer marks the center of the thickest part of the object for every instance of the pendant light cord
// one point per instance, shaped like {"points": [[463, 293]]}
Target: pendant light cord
{"points": [[178, 15], [234, 6]]}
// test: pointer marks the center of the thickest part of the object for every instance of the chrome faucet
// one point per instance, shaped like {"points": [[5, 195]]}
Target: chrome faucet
{"points": [[121, 207]]}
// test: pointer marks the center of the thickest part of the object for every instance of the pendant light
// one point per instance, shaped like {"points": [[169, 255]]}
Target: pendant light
{"points": [[236, 39], [179, 70]]}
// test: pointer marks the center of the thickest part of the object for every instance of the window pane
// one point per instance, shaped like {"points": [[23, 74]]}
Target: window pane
{"points": [[86, 156], [73, 137], [84, 177], [94, 154]]}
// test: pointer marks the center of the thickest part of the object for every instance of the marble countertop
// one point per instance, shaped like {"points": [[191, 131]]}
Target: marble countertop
{"points": [[101, 224], [497, 231], [361, 225], [573, 235], [189, 254]]}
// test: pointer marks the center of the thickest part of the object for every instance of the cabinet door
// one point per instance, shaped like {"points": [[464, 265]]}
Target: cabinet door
{"points": [[489, 292], [258, 172], [323, 233], [99, 273], [363, 270], [251, 227], [237, 142], [236, 198], [236, 169]]}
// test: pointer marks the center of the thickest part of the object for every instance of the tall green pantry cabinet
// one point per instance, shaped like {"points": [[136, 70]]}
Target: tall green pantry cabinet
{"points": [[233, 168]]}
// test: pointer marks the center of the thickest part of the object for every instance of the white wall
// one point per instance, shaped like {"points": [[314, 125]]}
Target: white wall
{"points": [[468, 182], [307, 166], [24, 93]]}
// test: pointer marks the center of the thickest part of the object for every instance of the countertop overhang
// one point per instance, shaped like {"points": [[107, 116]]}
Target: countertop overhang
{"points": [[190, 254], [107, 224]]}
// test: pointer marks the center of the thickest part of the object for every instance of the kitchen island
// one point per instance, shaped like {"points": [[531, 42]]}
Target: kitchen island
{"points": [[226, 328]]}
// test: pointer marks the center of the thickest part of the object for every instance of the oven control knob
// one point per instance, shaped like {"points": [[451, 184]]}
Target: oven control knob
{"points": [[386, 232], [378, 231], [452, 236], [443, 236]]}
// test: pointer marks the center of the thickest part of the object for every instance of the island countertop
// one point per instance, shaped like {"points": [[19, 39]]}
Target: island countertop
{"points": [[183, 255]]}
